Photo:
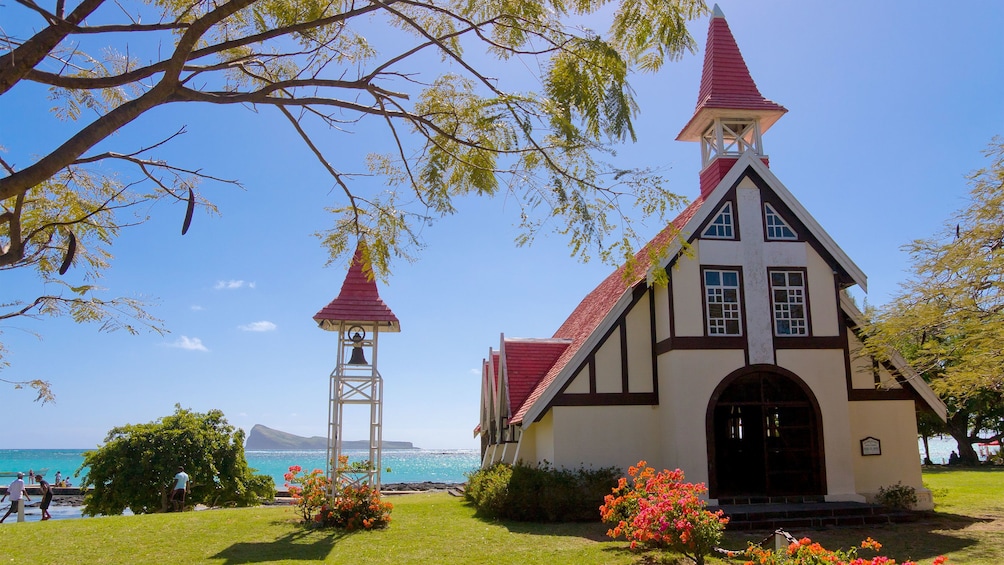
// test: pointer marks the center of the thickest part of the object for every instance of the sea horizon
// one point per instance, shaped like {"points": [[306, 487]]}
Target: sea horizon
{"points": [[413, 465]]}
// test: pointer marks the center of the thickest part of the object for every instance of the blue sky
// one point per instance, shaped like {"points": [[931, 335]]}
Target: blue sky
{"points": [[890, 106]]}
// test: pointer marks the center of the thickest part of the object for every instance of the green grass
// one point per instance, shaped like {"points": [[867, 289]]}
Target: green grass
{"points": [[968, 526]]}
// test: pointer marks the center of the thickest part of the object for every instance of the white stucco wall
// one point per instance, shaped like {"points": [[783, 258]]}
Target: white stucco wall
{"points": [[686, 381], [608, 364], [824, 314], [894, 424], [639, 333], [823, 372], [603, 436]]}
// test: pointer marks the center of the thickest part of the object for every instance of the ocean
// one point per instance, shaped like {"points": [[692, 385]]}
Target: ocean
{"points": [[398, 466]]}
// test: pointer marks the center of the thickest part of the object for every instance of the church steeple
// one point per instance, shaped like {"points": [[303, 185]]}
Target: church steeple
{"points": [[731, 113]]}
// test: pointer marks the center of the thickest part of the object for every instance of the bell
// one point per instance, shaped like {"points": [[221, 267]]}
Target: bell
{"points": [[357, 357]]}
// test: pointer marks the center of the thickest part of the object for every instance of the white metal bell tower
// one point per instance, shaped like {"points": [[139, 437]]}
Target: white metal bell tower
{"points": [[358, 315]]}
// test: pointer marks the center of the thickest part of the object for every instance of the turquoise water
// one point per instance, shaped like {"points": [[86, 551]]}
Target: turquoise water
{"points": [[406, 466]]}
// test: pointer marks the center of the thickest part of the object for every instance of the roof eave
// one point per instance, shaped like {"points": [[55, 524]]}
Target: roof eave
{"points": [[699, 123], [910, 375], [335, 325], [537, 409]]}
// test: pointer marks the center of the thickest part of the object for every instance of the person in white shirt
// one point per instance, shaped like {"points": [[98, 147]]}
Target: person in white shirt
{"points": [[180, 489], [15, 491]]}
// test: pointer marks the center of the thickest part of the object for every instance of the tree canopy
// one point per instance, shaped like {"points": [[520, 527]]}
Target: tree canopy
{"points": [[426, 73], [136, 465], [948, 318]]}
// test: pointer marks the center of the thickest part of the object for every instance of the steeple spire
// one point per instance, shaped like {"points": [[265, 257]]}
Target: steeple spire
{"points": [[731, 113], [358, 302]]}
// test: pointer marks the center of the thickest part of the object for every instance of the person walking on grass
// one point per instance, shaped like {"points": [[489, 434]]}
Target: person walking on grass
{"points": [[15, 491], [46, 497], [180, 490]]}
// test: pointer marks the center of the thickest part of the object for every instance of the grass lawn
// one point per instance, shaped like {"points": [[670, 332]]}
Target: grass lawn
{"points": [[439, 529]]}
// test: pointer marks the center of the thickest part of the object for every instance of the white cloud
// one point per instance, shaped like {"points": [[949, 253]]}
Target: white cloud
{"points": [[262, 326], [233, 284], [190, 343], [197, 308]]}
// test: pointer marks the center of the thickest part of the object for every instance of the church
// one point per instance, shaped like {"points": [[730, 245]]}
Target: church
{"points": [[745, 370]]}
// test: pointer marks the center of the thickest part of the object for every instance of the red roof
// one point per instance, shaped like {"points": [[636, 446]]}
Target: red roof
{"points": [[357, 302], [526, 363], [597, 304], [726, 84]]}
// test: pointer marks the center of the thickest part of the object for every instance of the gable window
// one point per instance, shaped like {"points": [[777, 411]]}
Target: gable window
{"points": [[721, 292], [722, 227], [787, 289], [777, 228]]}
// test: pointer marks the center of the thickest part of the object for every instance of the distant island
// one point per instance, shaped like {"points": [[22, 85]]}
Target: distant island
{"points": [[263, 438]]}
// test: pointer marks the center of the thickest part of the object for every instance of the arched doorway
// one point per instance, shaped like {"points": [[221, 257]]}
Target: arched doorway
{"points": [[764, 436]]}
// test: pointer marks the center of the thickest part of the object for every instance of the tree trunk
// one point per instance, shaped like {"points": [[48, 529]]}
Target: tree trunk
{"points": [[927, 450], [958, 428]]}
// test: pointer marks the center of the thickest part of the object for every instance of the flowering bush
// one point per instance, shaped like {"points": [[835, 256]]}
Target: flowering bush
{"points": [[661, 510], [352, 508], [807, 552], [355, 508], [309, 490]]}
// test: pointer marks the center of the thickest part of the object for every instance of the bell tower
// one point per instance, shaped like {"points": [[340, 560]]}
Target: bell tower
{"points": [[731, 114], [358, 315]]}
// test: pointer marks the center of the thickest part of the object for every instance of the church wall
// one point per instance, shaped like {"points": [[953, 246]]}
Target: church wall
{"points": [[894, 424], [603, 436], [639, 333], [580, 383], [661, 307], [686, 381], [608, 364], [862, 372], [824, 312], [688, 308], [823, 371]]}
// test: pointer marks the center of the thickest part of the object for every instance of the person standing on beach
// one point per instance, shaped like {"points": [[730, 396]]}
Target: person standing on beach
{"points": [[180, 489], [15, 491], [59, 479], [46, 497]]}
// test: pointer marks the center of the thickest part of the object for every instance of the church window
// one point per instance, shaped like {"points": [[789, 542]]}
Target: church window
{"points": [[777, 228], [721, 291], [722, 226], [788, 297]]}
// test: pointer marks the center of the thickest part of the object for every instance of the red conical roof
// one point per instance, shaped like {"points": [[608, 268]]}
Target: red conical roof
{"points": [[727, 89], [358, 302]]}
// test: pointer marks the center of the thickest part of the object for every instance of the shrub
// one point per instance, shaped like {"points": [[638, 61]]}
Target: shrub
{"points": [[660, 510], [351, 508], [488, 488], [807, 552], [897, 496], [309, 490], [539, 494], [355, 508]]}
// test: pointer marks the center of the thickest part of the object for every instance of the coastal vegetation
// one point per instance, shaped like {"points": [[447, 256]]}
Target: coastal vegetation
{"points": [[966, 526], [135, 466]]}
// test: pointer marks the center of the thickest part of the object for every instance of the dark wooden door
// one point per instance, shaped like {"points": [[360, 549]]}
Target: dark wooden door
{"points": [[766, 438]]}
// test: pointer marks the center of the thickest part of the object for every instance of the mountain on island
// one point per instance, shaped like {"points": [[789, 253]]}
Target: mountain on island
{"points": [[263, 438]]}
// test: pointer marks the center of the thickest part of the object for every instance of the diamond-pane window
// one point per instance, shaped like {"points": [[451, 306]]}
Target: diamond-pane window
{"points": [[722, 302], [777, 228], [787, 290], [722, 226]]}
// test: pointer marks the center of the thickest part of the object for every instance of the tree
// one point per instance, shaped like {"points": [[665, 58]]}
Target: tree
{"points": [[948, 319], [451, 128], [136, 465]]}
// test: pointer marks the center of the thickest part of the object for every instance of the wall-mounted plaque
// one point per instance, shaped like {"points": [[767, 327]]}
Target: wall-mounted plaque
{"points": [[871, 446]]}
